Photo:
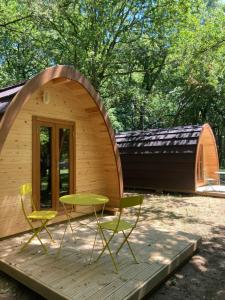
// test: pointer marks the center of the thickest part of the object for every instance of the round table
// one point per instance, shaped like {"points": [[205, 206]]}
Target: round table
{"points": [[83, 199]]}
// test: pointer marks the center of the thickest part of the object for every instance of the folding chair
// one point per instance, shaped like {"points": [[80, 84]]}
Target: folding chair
{"points": [[44, 216], [119, 225]]}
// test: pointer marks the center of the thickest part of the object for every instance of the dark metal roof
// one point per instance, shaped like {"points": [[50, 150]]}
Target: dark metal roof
{"points": [[182, 139], [7, 94]]}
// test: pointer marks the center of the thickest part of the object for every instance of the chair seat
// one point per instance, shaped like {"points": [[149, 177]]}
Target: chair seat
{"points": [[42, 215], [111, 225]]}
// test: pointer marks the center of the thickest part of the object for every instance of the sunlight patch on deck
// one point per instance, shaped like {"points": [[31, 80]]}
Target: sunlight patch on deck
{"points": [[68, 276]]}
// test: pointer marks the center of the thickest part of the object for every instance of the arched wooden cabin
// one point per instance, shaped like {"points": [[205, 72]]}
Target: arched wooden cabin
{"points": [[173, 159], [54, 132]]}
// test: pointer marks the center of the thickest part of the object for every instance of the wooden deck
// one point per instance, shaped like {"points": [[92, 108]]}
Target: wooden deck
{"points": [[212, 191], [68, 276]]}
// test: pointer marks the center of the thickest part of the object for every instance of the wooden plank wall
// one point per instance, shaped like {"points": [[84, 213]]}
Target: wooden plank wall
{"points": [[210, 156], [95, 166], [166, 172]]}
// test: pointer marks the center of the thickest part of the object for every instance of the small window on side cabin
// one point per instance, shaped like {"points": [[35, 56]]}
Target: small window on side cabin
{"points": [[200, 165]]}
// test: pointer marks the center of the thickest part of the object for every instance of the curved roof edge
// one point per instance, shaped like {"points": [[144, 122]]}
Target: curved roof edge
{"points": [[208, 127], [60, 71]]}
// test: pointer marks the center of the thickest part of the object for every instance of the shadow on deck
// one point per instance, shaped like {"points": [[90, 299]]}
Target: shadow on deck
{"points": [[68, 276]]}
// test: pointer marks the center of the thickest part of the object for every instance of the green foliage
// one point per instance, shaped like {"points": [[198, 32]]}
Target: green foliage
{"points": [[155, 63]]}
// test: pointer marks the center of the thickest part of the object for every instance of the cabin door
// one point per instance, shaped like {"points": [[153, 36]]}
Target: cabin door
{"points": [[53, 161]]}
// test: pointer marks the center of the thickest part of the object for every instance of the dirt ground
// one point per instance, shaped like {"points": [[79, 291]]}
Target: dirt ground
{"points": [[203, 277]]}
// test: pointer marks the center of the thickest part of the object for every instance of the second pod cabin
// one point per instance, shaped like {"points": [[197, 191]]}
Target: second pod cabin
{"points": [[176, 159]]}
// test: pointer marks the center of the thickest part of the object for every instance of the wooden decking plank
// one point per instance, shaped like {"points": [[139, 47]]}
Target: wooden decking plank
{"points": [[18, 259], [85, 271], [162, 273], [43, 290], [68, 266], [37, 259], [56, 261], [145, 278], [135, 281], [16, 250], [72, 273], [120, 280], [89, 281], [7, 247], [69, 277], [103, 292], [54, 279], [100, 282], [24, 261], [55, 264]]}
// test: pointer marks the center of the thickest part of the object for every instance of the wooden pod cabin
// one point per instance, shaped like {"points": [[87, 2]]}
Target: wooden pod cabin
{"points": [[54, 132], [174, 159]]}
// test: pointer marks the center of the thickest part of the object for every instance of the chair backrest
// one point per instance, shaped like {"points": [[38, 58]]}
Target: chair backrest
{"points": [[25, 191], [130, 201]]}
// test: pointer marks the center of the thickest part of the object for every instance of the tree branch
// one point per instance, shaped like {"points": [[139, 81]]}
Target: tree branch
{"points": [[212, 47], [15, 21]]}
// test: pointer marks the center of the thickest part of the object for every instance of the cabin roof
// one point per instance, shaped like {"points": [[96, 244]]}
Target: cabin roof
{"points": [[181, 139], [7, 94]]}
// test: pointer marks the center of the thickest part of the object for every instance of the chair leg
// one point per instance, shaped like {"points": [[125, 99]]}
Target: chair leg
{"points": [[93, 247], [45, 227], [43, 246], [36, 234], [107, 246], [126, 241]]}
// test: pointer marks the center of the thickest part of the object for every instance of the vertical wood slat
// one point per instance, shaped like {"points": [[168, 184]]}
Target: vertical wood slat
{"points": [[54, 170], [35, 166], [100, 172]]}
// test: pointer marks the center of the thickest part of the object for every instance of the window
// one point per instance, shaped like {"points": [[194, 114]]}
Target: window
{"points": [[200, 166], [53, 161]]}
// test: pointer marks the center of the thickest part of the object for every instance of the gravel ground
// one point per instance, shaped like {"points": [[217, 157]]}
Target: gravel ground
{"points": [[203, 277]]}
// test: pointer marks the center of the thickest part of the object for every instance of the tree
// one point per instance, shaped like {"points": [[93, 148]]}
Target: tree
{"points": [[155, 63]]}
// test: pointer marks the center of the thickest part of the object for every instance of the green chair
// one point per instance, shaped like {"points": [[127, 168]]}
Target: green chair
{"points": [[118, 225], [44, 216]]}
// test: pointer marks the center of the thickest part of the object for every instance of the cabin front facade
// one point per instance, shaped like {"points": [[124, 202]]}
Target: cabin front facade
{"points": [[54, 133], [171, 159]]}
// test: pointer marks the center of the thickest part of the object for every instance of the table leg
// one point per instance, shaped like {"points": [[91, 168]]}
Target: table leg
{"points": [[60, 247], [97, 230], [68, 224]]}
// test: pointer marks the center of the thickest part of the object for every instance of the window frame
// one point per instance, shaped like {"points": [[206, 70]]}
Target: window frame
{"points": [[55, 124], [200, 164]]}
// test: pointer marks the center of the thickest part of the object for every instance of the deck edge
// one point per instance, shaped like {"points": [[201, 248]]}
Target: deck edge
{"points": [[142, 290], [29, 282], [164, 272]]}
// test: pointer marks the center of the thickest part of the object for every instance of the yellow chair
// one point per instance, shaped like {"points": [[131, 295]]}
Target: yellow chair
{"points": [[119, 225], [43, 216]]}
